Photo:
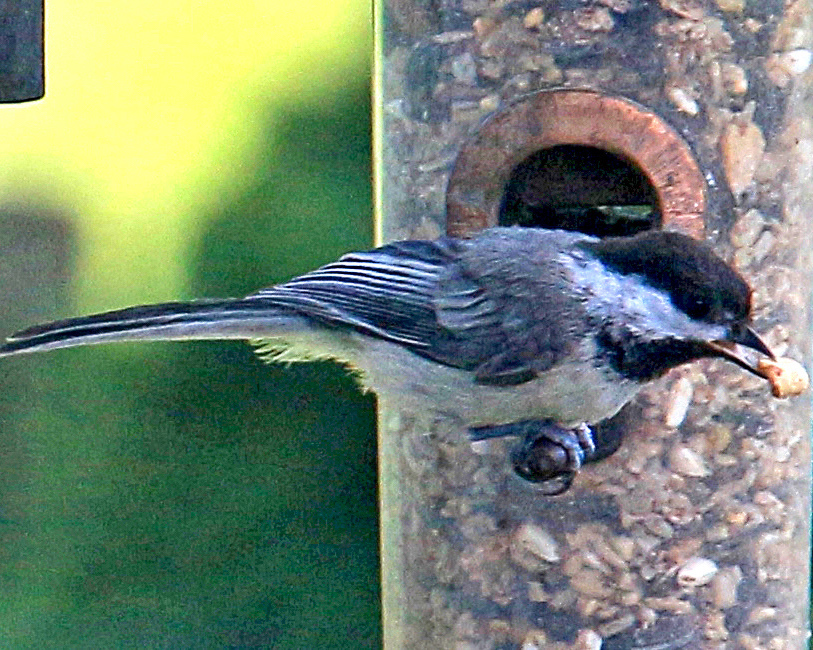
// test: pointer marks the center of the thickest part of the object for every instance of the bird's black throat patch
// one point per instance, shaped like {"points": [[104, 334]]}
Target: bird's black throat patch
{"points": [[641, 361]]}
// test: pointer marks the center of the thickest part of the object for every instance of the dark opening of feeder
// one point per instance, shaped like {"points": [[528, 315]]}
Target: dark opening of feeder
{"points": [[580, 188], [576, 160]]}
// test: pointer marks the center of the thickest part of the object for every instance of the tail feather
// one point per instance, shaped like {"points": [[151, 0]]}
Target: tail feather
{"points": [[172, 321]]}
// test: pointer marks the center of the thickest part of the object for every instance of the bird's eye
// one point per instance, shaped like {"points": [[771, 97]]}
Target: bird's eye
{"points": [[698, 307]]}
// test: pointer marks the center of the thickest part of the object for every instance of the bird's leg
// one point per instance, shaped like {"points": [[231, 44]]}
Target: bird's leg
{"points": [[549, 454]]}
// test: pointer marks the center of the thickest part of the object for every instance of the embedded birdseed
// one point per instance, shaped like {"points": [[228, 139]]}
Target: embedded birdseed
{"points": [[697, 571]]}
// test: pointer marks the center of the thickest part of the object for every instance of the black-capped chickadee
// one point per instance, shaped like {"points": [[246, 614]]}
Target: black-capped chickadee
{"points": [[516, 331]]}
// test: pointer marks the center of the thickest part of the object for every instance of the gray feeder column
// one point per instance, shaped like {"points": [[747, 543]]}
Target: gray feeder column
{"points": [[695, 532]]}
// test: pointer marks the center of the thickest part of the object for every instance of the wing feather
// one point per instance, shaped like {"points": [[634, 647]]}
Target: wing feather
{"points": [[387, 292]]}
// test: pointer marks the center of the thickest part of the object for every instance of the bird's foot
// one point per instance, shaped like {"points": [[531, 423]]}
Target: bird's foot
{"points": [[549, 454]]}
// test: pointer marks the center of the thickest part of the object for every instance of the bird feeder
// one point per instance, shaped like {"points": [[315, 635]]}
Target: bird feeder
{"points": [[607, 117]]}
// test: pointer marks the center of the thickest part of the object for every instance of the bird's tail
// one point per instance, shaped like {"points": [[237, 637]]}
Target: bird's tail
{"points": [[172, 321]]}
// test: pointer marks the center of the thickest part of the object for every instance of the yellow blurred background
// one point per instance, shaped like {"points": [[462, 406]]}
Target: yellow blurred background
{"points": [[150, 115]]}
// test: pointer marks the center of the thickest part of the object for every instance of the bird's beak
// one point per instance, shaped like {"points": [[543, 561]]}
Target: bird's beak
{"points": [[732, 349]]}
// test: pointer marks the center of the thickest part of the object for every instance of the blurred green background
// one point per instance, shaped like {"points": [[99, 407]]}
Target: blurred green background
{"points": [[184, 495]]}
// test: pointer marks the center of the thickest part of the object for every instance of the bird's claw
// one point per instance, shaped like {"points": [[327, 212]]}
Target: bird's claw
{"points": [[549, 454], [584, 435]]}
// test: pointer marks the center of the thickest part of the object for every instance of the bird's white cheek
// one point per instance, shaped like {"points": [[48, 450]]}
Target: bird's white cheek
{"points": [[613, 297]]}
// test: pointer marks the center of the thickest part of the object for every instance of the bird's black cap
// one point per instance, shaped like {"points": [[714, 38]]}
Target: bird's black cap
{"points": [[698, 282]]}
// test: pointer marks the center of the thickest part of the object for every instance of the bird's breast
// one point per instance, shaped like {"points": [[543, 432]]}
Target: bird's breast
{"points": [[575, 390]]}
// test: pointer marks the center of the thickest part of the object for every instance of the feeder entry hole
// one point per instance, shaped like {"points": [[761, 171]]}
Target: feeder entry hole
{"points": [[580, 188], [576, 160]]}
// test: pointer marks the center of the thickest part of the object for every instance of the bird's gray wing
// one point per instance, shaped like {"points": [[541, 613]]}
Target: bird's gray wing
{"points": [[475, 305]]}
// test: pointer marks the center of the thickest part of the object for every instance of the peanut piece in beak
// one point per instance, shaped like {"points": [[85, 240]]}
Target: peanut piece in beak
{"points": [[788, 377]]}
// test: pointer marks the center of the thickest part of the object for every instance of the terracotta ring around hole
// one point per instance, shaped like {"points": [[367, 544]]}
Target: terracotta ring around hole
{"points": [[573, 117]]}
